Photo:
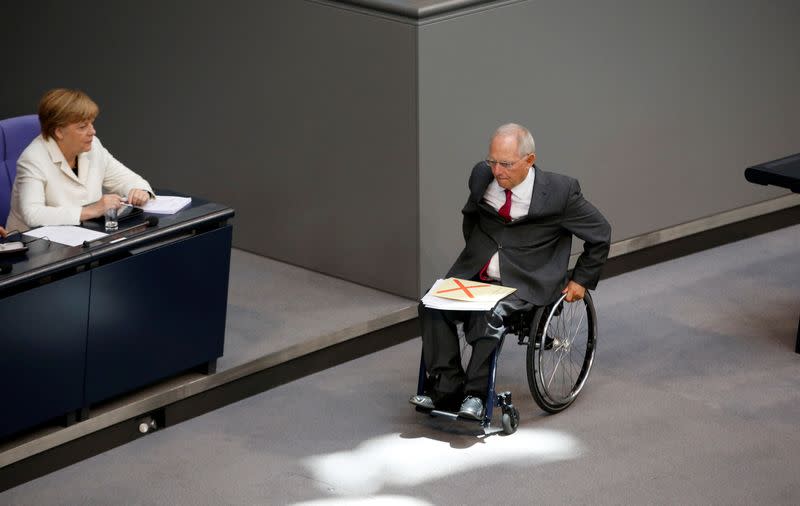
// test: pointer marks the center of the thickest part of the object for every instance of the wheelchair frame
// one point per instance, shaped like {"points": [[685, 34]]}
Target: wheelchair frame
{"points": [[552, 337]]}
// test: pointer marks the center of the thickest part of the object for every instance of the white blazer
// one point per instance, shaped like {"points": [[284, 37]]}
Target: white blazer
{"points": [[47, 191]]}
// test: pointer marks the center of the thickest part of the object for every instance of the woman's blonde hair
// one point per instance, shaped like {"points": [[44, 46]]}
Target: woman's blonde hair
{"points": [[61, 107]]}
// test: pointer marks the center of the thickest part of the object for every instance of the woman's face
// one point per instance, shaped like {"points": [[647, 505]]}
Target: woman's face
{"points": [[76, 138]]}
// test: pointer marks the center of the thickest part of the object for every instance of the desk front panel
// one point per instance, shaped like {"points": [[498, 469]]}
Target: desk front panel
{"points": [[43, 352], [157, 313]]}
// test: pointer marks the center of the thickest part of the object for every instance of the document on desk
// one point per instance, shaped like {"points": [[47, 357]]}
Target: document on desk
{"points": [[164, 204], [66, 234], [464, 295]]}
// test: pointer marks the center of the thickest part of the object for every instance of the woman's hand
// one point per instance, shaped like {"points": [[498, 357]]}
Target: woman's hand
{"points": [[138, 197], [98, 209]]}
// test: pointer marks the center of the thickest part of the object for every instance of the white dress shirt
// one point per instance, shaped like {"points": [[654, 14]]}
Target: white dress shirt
{"points": [[47, 191], [495, 196]]}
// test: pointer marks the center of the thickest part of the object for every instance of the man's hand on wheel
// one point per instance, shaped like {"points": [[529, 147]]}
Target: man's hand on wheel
{"points": [[574, 292]]}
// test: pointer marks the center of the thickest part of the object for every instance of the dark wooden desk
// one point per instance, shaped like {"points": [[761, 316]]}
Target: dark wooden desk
{"points": [[784, 172], [82, 325]]}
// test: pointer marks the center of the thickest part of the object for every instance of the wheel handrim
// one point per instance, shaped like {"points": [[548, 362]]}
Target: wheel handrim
{"points": [[564, 366]]}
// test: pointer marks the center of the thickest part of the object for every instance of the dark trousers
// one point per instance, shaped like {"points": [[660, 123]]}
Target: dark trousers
{"points": [[448, 382]]}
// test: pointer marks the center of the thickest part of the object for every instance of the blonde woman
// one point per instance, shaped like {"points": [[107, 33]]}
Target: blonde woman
{"points": [[65, 175]]}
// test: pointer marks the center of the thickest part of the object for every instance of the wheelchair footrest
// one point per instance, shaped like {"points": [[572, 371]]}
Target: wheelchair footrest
{"points": [[446, 414]]}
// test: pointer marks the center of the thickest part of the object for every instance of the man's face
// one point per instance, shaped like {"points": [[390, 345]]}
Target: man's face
{"points": [[504, 149]]}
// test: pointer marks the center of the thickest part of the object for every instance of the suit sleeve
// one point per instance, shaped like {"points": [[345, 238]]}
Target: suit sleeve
{"points": [[582, 219], [117, 177]]}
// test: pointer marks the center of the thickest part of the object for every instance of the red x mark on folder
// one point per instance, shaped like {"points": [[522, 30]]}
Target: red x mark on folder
{"points": [[461, 286]]}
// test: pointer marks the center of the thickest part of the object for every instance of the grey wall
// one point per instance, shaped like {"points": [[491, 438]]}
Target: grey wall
{"points": [[300, 116], [657, 107], [344, 138]]}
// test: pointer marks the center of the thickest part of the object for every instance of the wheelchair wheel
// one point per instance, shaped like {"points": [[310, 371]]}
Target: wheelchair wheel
{"points": [[561, 352]]}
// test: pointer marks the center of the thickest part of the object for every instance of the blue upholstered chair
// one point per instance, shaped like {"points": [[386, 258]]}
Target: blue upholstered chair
{"points": [[15, 135]]}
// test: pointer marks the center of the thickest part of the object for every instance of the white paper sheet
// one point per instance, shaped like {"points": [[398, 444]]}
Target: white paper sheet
{"points": [[66, 234]]}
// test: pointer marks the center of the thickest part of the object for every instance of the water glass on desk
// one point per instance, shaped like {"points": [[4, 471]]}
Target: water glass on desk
{"points": [[111, 219]]}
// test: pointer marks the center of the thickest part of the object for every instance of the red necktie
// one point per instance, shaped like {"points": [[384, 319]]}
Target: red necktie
{"points": [[505, 210], [505, 213]]}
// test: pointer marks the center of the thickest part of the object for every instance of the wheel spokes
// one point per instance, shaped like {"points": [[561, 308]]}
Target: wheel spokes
{"points": [[561, 355], [562, 368]]}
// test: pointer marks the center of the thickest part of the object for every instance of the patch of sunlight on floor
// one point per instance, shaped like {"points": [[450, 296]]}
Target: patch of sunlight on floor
{"points": [[377, 500], [394, 460]]}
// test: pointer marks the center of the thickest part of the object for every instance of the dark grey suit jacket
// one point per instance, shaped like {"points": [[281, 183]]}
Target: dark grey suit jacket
{"points": [[534, 250]]}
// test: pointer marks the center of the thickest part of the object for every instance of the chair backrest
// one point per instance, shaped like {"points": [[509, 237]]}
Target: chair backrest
{"points": [[15, 135]]}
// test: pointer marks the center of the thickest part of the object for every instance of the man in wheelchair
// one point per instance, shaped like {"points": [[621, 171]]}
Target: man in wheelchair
{"points": [[518, 224]]}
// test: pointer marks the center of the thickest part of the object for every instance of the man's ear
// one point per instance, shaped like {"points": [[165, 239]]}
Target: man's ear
{"points": [[532, 158]]}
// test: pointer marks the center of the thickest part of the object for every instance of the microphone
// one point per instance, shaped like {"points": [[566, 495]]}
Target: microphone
{"points": [[151, 221], [5, 268]]}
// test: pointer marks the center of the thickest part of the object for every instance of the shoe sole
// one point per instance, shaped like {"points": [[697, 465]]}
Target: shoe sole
{"points": [[470, 415], [421, 404]]}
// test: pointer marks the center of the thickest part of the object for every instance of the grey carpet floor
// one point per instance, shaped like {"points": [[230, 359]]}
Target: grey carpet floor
{"points": [[694, 399]]}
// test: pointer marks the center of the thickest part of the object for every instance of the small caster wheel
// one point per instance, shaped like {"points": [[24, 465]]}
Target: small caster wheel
{"points": [[510, 421]]}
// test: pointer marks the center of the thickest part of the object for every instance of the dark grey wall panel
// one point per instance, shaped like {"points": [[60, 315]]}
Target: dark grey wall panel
{"points": [[299, 115], [656, 106]]}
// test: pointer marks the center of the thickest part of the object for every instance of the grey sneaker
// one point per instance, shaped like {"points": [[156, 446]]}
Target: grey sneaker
{"points": [[422, 401], [472, 407]]}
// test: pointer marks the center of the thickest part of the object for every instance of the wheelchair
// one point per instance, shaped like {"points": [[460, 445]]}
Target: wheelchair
{"points": [[561, 339]]}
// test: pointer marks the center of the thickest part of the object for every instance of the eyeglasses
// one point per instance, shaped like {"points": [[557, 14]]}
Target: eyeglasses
{"points": [[506, 165]]}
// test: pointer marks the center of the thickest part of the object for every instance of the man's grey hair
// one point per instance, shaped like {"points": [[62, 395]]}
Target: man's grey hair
{"points": [[525, 143]]}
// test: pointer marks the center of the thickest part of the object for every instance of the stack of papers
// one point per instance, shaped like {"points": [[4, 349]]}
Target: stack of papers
{"points": [[166, 205], [464, 295]]}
